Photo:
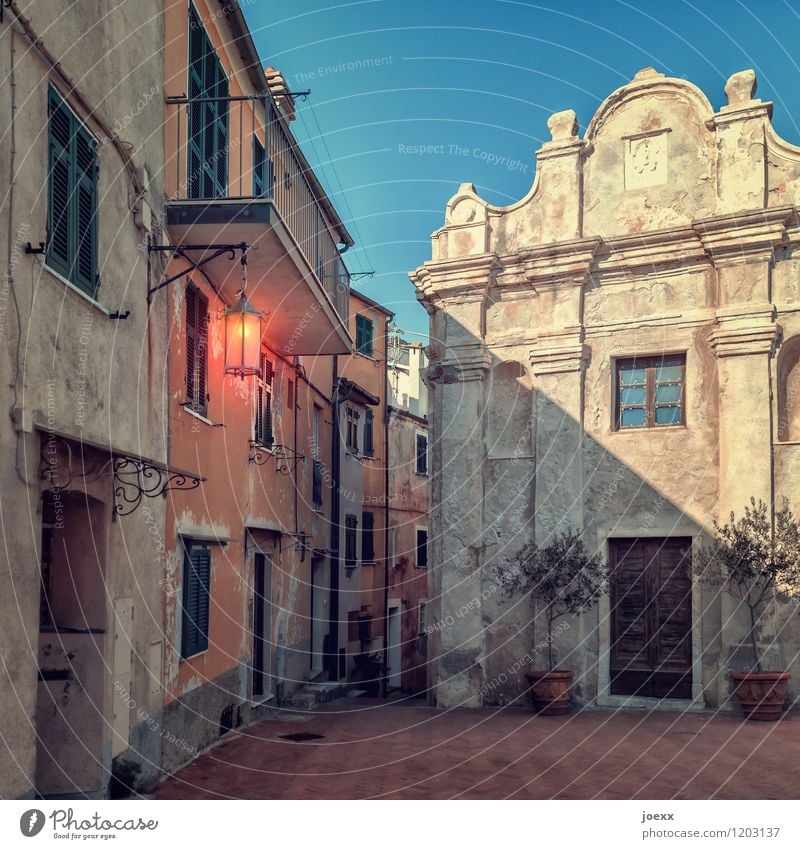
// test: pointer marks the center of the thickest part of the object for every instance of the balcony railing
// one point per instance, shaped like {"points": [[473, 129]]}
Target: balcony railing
{"points": [[238, 148]]}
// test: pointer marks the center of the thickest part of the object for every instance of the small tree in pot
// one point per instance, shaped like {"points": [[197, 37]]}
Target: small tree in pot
{"points": [[560, 579], [758, 563]]}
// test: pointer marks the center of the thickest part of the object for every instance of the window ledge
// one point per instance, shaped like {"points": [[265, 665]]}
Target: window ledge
{"points": [[198, 416], [194, 656], [659, 429], [421, 474], [72, 287]]}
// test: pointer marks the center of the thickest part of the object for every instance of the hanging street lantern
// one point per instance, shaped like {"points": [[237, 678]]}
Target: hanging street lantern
{"points": [[242, 338]]}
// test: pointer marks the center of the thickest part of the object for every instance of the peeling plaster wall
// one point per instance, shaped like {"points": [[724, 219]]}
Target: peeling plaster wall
{"points": [[82, 375], [667, 227]]}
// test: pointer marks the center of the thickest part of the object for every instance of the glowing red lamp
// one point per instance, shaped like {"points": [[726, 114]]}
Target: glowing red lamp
{"points": [[242, 338]]}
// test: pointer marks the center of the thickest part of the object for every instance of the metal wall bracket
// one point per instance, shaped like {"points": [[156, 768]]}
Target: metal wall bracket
{"points": [[286, 458], [135, 479], [180, 250], [299, 538]]}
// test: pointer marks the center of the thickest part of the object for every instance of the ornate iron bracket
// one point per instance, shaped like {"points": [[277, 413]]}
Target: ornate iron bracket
{"points": [[299, 538], [180, 250], [135, 479], [286, 458]]}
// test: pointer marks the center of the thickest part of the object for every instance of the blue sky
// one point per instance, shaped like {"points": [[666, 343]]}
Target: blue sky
{"points": [[476, 82]]}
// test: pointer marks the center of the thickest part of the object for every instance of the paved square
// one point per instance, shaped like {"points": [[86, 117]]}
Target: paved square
{"points": [[398, 750]]}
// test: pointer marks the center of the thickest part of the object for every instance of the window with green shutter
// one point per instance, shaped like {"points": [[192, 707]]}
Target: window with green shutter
{"points": [[207, 159], [195, 600], [71, 197], [363, 335], [196, 349]]}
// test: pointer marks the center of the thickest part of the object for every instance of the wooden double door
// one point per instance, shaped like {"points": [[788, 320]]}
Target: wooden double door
{"points": [[651, 617]]}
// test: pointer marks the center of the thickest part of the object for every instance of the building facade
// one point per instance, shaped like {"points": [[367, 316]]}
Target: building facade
{"points": [[250, 593], [617, 352], [360, 509], [83, 451], [408, 512]]}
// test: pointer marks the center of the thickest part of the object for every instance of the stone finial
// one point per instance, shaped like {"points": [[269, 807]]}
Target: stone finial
{"points": [[647, 73], [741, 87], [563, 125]]}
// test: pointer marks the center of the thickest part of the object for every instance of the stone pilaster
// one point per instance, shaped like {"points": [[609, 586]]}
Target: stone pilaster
{"points": [[741, 148], [741, 247], [456, 375], [559, 172]]}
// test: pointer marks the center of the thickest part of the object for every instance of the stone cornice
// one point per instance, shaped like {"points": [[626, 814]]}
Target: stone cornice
{"points": [[744, 330], [758, 109], [460, 364], [739, 235], [558, 263], [653, 249], [556, 149], [559, 352], [461, 276]]}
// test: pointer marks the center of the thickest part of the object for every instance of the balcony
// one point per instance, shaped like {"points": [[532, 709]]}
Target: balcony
{"points": [[236, 176]]}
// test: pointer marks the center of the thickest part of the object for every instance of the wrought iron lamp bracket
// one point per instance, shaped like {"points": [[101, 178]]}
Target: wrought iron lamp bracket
{"points": [[286, 458], [180, 250]]}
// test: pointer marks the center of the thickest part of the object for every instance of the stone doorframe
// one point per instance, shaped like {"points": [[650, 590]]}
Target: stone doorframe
{"points": [[681, 528]]}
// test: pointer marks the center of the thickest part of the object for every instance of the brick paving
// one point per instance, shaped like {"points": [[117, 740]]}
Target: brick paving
{"points": [[399, 750]]}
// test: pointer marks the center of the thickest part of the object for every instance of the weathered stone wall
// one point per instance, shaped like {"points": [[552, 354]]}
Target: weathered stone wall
{"points": [[667, 228]]}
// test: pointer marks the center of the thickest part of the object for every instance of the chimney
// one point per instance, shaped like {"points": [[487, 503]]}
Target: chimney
{"points": [[280, 91]]}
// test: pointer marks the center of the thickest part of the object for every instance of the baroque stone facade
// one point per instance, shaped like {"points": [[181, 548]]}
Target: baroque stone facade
{"points": [[668, 230]]}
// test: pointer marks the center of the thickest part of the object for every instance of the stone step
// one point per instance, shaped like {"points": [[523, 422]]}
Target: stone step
{"points": [[311, 695]]}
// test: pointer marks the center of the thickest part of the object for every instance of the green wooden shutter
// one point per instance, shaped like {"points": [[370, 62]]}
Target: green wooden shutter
{"points": [[191, 342], [72, 197], [422, 454], [85, 193], [258, 168], [196, 593], [207, 160], [59, 223], [363, 335], [422, 548], [367, 536], [368, 436], [201, 354]]}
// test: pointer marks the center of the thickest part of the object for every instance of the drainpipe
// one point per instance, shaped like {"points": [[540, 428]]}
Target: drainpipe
{"points": [[333, 632], [386, 418]]}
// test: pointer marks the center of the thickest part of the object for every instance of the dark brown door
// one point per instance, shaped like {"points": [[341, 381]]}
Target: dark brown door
{"points": [[651, 618], [262, 618]]}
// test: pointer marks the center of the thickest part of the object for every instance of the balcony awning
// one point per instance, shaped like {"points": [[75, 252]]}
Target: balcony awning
{"points": [[301, 317]]}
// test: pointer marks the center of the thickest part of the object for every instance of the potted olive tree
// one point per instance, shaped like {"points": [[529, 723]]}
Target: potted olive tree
{"points": [[758, 562], [559, 579]]}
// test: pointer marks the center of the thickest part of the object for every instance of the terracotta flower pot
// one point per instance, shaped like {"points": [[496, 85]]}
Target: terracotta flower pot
{"points": [[550, 691], [761, 694]]}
